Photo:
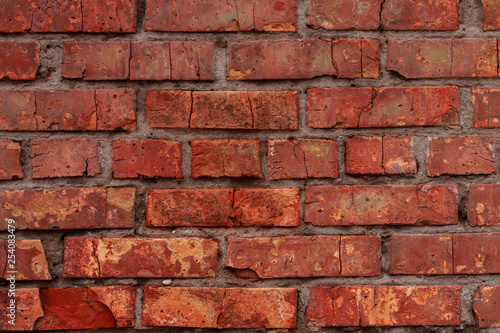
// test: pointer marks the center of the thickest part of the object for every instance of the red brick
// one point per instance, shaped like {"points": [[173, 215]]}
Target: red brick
{"points": [[344, 14], [300, 159], [370, 58], [381, 205], [96, 60], [223, 207], [297, 59], [55, 15], [19, 61], [491, 12], [420, 15], [483, 205], [487, 306], [192, 60], [383, 107], [440, 58], [72, 157], [421, 254], [460, 155], [476, 253], [360, 255], [384, 306], [150, 61], [109, 16], [115, 109], [219, 15], [30, 261], [226, 158], [28, 309], [219, 307], [17, 110], [147, 158], [68, 208], [486, 107], [191, 257], [16, 16], [399, 155], [10, 165], [168, 108]]}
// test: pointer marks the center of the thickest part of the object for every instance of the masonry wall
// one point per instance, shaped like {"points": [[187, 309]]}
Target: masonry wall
{"points": [[302, 166]]}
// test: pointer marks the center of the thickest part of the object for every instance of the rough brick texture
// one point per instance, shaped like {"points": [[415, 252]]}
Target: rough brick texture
{"points": [[10, 166], [19, 61], [483, 205], [491, 14], [486, 103], [30, 262], [486, 306]]}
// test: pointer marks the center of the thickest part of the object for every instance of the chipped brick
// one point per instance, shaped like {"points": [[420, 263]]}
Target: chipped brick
{"points": [[10, 165]]}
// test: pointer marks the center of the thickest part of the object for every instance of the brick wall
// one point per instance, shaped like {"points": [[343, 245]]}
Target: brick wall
{"points": [[296, 165]]}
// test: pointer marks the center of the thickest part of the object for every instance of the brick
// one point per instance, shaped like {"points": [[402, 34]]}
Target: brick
{"points": [[30, 261], [168, 108], [421, 254], [74, 157], [486, 307], [191, 257], [55, 16], [420, 15], [344, 14], [381, 205], [10, 165], [476, 253], [226, 158], [483, 205], [486, 107], [147, 158], [109, 16], [219, 307], [370, 58], [150, 61], [384, 306], [491, 15], [192, 60], [223, 207], [301, 159], [68, 208], [360, 255], [17, 110], [19, 61], [383, 107], [442, 58], [460, 155], [298, 59], [388, 155], [28, 309], [219, 15], [115, 109], [15, 16], [96, 60]]}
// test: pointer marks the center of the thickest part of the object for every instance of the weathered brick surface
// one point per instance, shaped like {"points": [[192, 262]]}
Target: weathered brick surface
{"points": [[491, 14], [299, 59], [140, 257], [486, 103], [226, 158], [300, 159], [223, 207], [421, 254], [219, 15], [116, 109], [463, 155], [262, 110], [10, 165], [219, 307], [72, 157], [383, 107], [344, 14], [29, 261], [476, 253], [68, 208], [147, 158], [28, 309], [439, 58], [384, 306], [381, 205], [19, 61], [486, 307], [360, 255], [192, 60], [109, 16], [483, 205]]}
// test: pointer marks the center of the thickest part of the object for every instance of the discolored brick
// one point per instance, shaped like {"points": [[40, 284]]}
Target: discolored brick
{"points": [[381, 205], [15, 16], [476, 253], [483, 204], [344, 14], [475, 58], [370, 58], [486, 306], [421, 254], [68, 208], [168, 108], [10, 164], [147, 158], [150, 61], [219, 307], [28, 309], [17, 110], [55, 15], [300, 159], [491, 15], [109, 16], [486, 103], [115, 109], [383, 306], [191, 257], [192, 60], [225, 158], [29, 264], [19, 60], [360, 255], [399, 155], [461, 155], [364, 155], [73, 157]]}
